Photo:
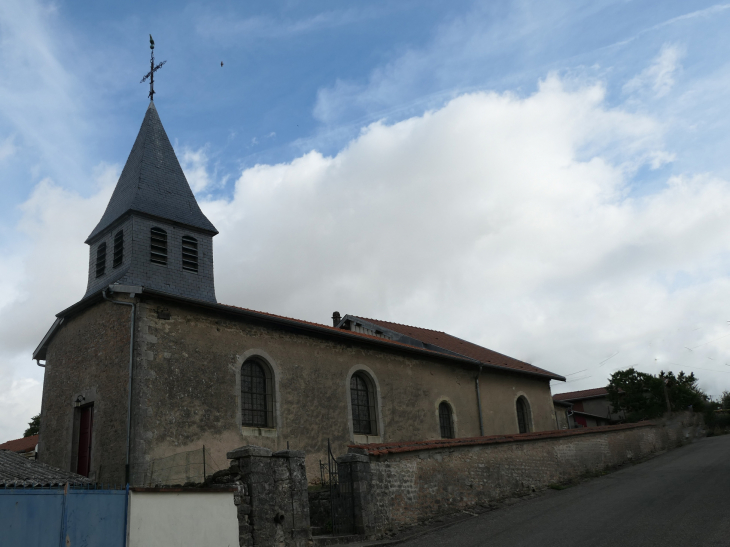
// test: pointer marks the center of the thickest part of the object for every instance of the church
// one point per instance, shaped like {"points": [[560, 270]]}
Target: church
{"points": [[149, 364]]}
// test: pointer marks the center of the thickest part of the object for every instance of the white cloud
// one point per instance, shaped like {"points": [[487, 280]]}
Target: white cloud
{"points": [[7, 147], [659, 77], [43, 274], [503, 220], [193, 163], [500, 219]]}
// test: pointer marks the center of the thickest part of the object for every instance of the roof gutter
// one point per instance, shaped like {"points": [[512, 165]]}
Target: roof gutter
{"points": [[132, 290]]}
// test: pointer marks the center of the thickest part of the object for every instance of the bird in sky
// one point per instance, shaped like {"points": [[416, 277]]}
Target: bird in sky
{"points": [[221, 63]]}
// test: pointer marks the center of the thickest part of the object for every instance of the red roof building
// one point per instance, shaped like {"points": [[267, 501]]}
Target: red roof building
{"points": [[25, 446], [589, 407]]}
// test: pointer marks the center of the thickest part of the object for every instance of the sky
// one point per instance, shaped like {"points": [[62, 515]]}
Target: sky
{"points": [[548, 179]]}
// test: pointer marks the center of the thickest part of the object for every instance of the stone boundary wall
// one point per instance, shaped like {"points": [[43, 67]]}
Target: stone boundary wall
{"points": [[412, 482]]}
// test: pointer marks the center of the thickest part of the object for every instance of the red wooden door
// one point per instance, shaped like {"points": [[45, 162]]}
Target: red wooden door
{"points": [[85, 426]]}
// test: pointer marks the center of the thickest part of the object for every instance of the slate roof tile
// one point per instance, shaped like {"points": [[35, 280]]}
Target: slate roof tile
{"points": [[152, 182]]}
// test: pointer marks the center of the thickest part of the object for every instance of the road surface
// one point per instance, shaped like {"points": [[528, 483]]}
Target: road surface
{"points": [[680, 498]]}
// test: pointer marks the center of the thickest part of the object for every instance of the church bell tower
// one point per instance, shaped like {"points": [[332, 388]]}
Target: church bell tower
{"points": [[153, 232]]}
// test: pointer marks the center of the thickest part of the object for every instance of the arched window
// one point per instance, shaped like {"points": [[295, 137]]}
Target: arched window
{"points": [[190, 254], [523, 415], [362, 397], [101, 259], [118, 249], [446, 421], [158, 246], [257, 404]]}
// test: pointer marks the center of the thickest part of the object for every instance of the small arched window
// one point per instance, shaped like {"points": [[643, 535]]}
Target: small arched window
{"points": [[446, 420], [190, 254], [362, 397], [158, 246], [257, 401], [523, 415], [101, 259], [118, 249]]}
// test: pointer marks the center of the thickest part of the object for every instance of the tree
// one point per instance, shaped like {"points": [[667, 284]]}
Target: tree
{"points": [[683, 391], [641, 396], [34, 426], [725, 400]]}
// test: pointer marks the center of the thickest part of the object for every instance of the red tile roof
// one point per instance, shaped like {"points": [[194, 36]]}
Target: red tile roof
{"points": [[380, 449], [585, 394], [462, 347], [466, 349], [26, 444]]}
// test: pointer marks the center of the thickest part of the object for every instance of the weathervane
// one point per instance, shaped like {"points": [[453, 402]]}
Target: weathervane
{"points": [[153, 69]]}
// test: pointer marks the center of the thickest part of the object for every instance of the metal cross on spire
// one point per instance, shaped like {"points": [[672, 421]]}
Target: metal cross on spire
{"points": [[153, 69]]}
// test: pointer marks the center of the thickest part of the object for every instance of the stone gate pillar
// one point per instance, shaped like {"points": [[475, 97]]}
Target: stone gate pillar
{"points": [[273, 507], [353, 472]]}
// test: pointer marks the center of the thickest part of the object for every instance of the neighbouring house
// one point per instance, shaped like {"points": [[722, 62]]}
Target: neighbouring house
{"points": [[563, 414], [25, 446], [148, 364], [588, 408]]}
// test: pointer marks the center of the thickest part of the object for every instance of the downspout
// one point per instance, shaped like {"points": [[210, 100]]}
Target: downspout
{"points": [[479, 403], [131, 362]]}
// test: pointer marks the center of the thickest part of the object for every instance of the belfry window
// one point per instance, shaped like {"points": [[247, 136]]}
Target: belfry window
{"points": [[257, 401], [118, 249], [523, 415], [101, 259], [446, 422], [158, 246], [362, 398], [190, 254]]}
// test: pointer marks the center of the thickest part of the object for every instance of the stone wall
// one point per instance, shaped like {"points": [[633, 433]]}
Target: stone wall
{"points": [[413, 482], [272, 504]]}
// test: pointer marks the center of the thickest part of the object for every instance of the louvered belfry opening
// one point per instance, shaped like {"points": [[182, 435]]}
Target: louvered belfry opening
{"points": [[118, 249], [158, 246], [101, 259], [446, 422], [190, 254]]}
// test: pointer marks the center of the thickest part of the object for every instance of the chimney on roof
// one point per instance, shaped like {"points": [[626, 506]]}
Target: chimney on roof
{"points": [[336, 318]]}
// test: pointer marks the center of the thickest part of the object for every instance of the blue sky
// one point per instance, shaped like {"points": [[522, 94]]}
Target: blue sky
{"points": [[318, 102]]}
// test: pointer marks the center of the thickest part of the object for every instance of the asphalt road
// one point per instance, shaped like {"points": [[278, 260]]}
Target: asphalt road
{"points": [[681, 498]]}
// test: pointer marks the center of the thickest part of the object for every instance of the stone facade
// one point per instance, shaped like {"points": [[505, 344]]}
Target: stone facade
{"points": [[186, 390], [88, 363]]}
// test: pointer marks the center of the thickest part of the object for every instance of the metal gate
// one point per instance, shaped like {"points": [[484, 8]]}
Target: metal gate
{"points": [[62, 516], [342, 506]]}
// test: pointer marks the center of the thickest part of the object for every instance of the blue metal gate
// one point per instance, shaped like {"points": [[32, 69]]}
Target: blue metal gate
{"points": [[63, 517]]}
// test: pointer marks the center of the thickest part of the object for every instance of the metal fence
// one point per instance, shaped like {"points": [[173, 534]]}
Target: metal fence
{"points": [[191, 466]]}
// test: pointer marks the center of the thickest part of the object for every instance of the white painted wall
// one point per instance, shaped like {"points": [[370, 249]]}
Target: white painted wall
{"points": [[181, 519]]}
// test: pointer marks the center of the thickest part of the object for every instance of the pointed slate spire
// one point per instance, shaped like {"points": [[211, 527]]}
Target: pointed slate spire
{"points": [[153, 183]]}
